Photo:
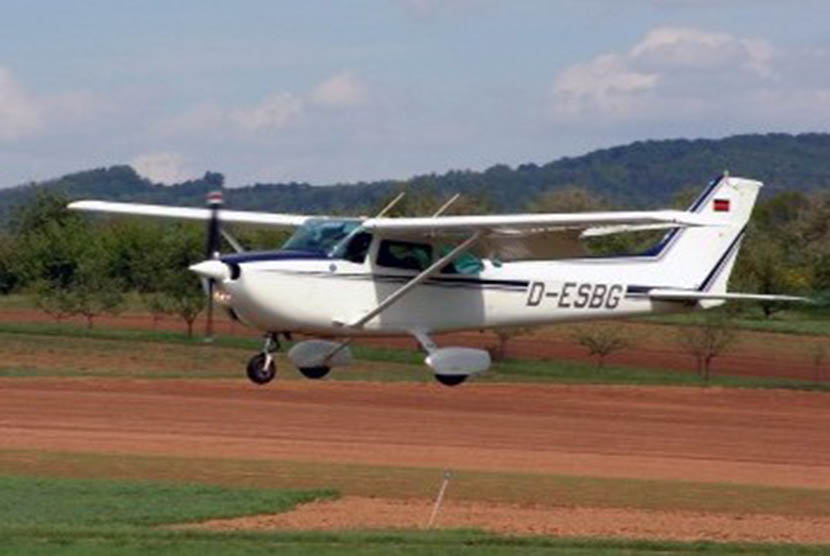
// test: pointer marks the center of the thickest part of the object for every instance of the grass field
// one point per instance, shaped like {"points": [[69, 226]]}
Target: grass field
{"points": [[70, 516]]}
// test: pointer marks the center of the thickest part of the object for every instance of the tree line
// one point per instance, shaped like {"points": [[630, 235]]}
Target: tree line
{"points": [[74, 265]]}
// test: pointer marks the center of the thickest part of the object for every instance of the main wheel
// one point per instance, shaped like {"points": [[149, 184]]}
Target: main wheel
{"points": [[450, 380], [315, 373], [259, 372]]}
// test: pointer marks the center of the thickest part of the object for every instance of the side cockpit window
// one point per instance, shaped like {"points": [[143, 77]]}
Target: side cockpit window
{"points": [[403, 254], [358, 247]]}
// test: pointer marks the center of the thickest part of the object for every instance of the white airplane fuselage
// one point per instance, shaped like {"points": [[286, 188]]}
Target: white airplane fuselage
{"points": [[322, 296]]}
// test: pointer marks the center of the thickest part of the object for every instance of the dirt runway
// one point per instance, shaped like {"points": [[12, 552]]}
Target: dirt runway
{"points": [[763, 437]]}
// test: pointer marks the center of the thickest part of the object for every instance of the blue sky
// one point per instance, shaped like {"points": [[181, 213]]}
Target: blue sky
{"points": [[337, 91]]}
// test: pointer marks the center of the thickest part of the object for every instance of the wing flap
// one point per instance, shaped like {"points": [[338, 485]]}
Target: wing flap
{"points": [[263, 219]]}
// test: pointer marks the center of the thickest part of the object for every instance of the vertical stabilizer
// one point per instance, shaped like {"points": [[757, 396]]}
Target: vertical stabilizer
{"points": [[702, 258]]}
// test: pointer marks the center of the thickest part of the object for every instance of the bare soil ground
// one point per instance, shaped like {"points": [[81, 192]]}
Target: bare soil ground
{"points": [[763, 354], [755, 437], [376, 513]]}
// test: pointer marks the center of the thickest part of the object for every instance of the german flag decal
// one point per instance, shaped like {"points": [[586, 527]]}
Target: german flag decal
{"points": [[721, 205]]}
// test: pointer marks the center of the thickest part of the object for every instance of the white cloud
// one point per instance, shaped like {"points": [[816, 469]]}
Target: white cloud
{"points": [[340, 90], [679, 48], [163, 167], [274, 112], [606, 83], [20, 115], [671, 72], [23, 114]]}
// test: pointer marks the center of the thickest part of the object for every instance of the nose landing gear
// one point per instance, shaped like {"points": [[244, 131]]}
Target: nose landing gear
{"points": [[261, 367]]}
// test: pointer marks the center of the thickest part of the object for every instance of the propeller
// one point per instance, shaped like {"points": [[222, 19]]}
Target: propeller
{"points": [[214, 203]]}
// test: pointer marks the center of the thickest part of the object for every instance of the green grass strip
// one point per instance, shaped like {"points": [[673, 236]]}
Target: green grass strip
{"points": [[85, 541], [30, 502]]}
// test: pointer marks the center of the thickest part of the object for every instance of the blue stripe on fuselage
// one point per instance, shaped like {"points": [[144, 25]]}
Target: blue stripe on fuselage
{"points": [[260, 256]]}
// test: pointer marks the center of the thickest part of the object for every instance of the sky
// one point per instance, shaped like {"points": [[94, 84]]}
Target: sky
{"points": [[347, 90]]}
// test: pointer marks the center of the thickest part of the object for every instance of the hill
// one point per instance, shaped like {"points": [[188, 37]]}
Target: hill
{"points": [[641, 174]]}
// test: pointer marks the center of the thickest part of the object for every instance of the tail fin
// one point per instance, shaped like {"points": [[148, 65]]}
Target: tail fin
{"points": [[701, 258]]}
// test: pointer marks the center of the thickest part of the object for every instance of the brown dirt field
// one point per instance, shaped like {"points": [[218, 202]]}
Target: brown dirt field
{"points": [[707, 435], [377, 513], [763, 354], [756, 437]]}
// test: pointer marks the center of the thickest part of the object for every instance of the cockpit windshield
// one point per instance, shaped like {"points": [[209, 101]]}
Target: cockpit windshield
{"points": [[320, 234]]}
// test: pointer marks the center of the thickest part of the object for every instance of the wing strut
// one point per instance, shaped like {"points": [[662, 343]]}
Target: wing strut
{"points": [[406, 288]]}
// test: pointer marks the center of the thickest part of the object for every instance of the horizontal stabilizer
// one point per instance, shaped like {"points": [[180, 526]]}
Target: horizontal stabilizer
{"points": [[688, 295]]}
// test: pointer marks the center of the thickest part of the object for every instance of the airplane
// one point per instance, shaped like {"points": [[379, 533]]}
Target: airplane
{"points": [[336, 278]]}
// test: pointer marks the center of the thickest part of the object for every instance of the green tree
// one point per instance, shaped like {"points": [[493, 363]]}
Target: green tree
{"points": [[176, 290], [66, 260], [706, 341], [768, 265], [183, 296], [53, 301], [601, 339], [569, 198], [504, 335], [93, 290], [8, 276]]}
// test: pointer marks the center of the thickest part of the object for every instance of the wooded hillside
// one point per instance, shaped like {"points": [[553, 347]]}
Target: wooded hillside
{"points": [[642, 174]]}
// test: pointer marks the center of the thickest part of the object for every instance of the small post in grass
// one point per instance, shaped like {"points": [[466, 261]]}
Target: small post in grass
{"points": [[440, 499]]}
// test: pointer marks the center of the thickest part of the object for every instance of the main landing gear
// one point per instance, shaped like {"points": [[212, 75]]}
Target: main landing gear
{"points": [[313, 358], [450, 380], [452, 365], [261, 367], [315, 373]]}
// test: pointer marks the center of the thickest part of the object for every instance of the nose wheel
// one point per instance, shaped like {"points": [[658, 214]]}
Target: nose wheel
{"points": [[261, 367]]}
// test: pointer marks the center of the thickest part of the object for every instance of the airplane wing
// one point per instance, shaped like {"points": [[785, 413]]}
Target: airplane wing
{"points": [[534, 236], [527, 224], [263, 219]]}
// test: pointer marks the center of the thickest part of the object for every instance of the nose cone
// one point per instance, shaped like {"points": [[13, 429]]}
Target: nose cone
{"points": [[212, 270]]}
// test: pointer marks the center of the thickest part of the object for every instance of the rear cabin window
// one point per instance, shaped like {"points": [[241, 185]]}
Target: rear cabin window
{"points": [[403, 254], [464, 263]]}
